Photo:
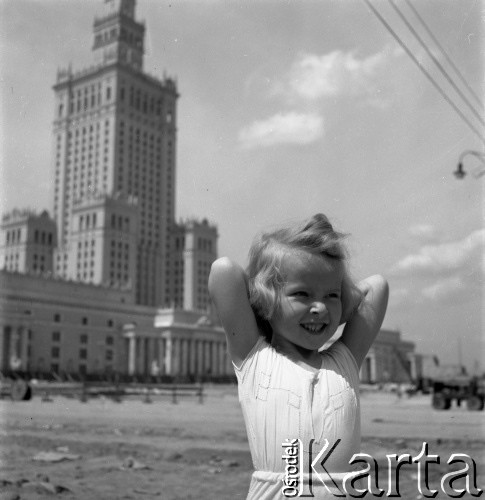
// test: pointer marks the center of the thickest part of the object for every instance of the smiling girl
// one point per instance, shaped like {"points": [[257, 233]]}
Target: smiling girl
{"points": [[278, 315]]}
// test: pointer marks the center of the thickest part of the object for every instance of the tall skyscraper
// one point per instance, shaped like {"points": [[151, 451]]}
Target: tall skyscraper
{"points": [[114, 164]]}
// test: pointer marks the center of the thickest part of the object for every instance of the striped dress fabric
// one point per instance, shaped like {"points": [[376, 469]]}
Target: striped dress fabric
{"points": [[282, 401]]}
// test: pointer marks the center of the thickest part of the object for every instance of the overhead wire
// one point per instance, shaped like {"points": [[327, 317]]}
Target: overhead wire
{"points": [[435, 60], [424, 71], [444, 53]]}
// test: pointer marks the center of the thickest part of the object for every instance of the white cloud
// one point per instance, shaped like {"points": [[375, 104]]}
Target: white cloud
{"points": [[293, 128], [445, 257], [443, 272], [424, 232], [315, 76]]}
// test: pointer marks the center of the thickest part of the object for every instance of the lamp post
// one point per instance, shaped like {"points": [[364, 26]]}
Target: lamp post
{"points": [[460, 172]]}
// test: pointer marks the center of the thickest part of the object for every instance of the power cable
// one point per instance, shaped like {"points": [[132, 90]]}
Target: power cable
{"points": [[440, 67], [421, 67], [442, 50]]}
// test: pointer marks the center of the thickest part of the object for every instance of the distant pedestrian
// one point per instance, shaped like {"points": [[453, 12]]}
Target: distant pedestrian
{"points": [[154, 368], [277, 315]]}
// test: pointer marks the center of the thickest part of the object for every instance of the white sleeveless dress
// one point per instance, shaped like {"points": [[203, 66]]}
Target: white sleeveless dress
{"points": [[282, 401]]}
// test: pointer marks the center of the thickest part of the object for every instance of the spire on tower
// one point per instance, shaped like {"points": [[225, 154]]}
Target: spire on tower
{"points": [[125, 7], [118, 37]]}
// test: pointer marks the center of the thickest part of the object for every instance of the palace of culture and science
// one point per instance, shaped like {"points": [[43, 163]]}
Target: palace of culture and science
{"points": [[111, 282]]}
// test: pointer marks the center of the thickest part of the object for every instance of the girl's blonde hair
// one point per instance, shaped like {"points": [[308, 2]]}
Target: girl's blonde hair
{"points": [[265, 278]]}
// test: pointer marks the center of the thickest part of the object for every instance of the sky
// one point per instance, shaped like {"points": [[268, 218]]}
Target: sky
{"points": [[288, 109]]}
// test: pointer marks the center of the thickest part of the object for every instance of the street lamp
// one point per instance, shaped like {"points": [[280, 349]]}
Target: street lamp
{"points": [[459, 173]]}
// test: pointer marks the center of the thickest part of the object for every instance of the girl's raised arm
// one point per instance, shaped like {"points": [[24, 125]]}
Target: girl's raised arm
{"points": [[364, 309], [229, 292]]}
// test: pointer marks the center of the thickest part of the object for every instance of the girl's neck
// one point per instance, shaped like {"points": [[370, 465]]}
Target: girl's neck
{"points": [[306, 358]]}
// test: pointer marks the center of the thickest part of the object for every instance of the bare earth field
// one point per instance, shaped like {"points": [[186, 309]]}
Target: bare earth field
{"points": [[139, 450]]}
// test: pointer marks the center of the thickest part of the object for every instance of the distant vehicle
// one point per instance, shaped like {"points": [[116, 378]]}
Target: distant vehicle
{"points": [[463, 388]]}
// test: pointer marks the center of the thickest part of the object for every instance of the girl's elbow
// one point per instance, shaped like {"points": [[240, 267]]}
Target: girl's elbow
{"points": [[372, 284], [377, 282], [384, 285], [381, 283], [376, 291], [380, 292], [223, 272], [220, 267], [214, 276]]}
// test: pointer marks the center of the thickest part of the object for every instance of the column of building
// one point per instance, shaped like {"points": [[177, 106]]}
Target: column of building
{"points": [[14, 348]]}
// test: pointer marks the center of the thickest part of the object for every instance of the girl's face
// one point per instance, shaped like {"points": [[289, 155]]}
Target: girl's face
{"points": [[310, 306]]}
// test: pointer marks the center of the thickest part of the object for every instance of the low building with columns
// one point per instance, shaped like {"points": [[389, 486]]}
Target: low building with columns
{"points": [[180, 343], [49, 325]]}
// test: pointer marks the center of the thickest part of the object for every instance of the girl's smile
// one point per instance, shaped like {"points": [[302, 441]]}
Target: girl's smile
{"points": [[310, 308], [314, 328]]}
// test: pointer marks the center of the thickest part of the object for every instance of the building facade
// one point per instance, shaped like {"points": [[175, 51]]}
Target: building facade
{"points": [[27, 242], [115, 138], [390, 359], [194, 248], [51, 325]]}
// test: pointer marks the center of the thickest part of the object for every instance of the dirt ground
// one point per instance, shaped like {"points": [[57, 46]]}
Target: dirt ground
{"points": [[140, 450]]}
